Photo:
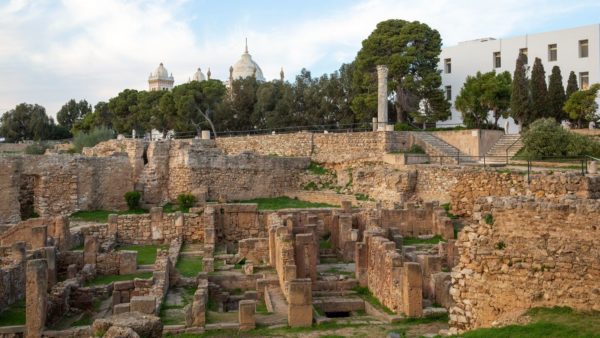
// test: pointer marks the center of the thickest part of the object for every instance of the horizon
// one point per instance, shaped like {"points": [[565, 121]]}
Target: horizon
{"points": [[54, 51]]}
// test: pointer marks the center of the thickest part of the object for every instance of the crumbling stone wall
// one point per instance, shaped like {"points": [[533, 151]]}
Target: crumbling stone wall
{"points": [[254, 250], [528, 253], [413, 220], [61, 184], [461, 186]]}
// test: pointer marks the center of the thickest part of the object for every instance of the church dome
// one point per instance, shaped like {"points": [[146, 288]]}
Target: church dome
{"points": [[198, 76], [246, 67], [160, 73]]}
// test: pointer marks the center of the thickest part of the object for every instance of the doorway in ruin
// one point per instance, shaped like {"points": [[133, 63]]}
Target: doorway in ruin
{"points": [[27, 187]]}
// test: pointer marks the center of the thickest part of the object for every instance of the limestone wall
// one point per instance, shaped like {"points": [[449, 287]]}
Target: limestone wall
{"points": [[473, 142], [12, 282], [254, 250], [320, 147], [156, 227], [61, 184], [384, 272], [461, 186], [528, 253], [413, 221]]}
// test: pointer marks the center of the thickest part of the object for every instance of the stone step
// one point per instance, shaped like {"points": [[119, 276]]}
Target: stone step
{"points": [[192, 253]]}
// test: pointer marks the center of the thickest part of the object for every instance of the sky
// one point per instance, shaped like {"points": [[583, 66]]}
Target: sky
{"points": [[52, 51]]}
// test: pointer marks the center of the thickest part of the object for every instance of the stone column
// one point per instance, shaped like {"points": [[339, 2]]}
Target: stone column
{"points": [[209, 226], [156, 222], [306, 251], [113, 221], [90, 249], [36, 297], [247, 310], [51, 261], [300, 303], [361, 259], [196, 315], [62, 233], [382, 97], [412, 290]]}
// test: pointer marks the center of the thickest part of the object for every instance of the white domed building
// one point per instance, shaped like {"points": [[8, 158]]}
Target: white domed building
{"points": [[160, 79], [245, 67], [198, 76]]}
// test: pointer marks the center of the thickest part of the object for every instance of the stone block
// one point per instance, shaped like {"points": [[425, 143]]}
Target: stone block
{"points": [[248, 269], [412, 290], [120, 308], [247, 310], [127, 262], [347, 206], [143, 304], [71, 271], [123, 285], [300, 303], [208, 264], [90, 250], [36, 297], [39, 237]]}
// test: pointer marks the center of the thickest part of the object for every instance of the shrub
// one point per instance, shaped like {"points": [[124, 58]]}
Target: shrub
{"points": [[133, 199], [500, 245], [546, 138], [311, 186], [317, 169], [92, 138], [416, 149], [186, 201], [489, 219], [404, 127], [38, 148]]}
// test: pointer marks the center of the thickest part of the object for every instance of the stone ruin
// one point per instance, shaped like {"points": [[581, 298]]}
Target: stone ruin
{"points": [[293, 267]]}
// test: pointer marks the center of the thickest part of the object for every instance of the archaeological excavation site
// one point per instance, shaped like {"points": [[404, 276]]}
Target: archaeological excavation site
{"points": [[290, 235]]}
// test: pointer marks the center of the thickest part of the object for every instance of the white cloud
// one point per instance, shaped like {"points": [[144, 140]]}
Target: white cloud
{"points": [[53, 51]]}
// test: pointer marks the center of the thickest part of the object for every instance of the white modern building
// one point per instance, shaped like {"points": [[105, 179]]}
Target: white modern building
{"points": [[574, 49]]}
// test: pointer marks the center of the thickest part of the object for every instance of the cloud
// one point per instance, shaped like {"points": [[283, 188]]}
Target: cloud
{"points": [[52, 51]]}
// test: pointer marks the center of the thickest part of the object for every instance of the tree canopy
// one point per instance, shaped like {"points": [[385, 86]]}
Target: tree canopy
{"points": [[411, 52], [71, 112], [481, 94], [556, 95], [520, 103], [539, 91], [582, 106], [30, 122]]}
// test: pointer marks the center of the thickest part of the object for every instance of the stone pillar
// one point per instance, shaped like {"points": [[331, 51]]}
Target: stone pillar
{"points": [[90, 249], [361, 260], [50, 253], [209, 226], [156, 222], [412, 290], [345, 224], [209, 264], [196, 315], [247, 310], [382, 97], [127, 262], [112, 224], [593, 167], [39, 237], [452, 253], [306, 251], [347, 207], [431, 265], [300, 303], [36, 297], [375, 124], [179, 223], [62, 233], [206, 134]]}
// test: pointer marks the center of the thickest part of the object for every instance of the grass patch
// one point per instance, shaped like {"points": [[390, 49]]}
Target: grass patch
{"points": [[261, 308], [212, 305], [361, 197], [325, 244], [284, 202], [189, 266], [415, 240], [171, 208], [489, 219], [556, 322], [317, 169], [146, 253], [85, 320], [338, 271], [366, 294], [14, 315], [101, 216], [103, 280]]}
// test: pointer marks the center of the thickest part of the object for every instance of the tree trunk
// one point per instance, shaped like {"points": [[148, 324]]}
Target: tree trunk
{"points": [[401, 104]]}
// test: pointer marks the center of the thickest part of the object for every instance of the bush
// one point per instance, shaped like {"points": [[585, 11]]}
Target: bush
{"points": [[416, 149], [133, 199], [92, 138], [38, 148], [186, 201], [546, 138], [404, 127]]}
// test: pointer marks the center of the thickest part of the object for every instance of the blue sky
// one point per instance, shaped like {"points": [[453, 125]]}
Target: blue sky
{"points": [[51, 51]]}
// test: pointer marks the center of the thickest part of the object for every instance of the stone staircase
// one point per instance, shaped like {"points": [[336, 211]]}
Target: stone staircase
{"points": [[497, 153], [434, 146]]}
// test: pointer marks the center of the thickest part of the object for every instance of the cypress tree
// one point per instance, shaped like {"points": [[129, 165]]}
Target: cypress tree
{"points": [[539, 91], [572, 86], [556, 95], [519, 99]]}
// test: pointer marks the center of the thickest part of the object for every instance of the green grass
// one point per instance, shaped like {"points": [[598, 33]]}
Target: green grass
{"points": [[366, 294], [187, 296], [103, 280], [316, 169], [170, 208], [361, 197], [261, 308], [189, 266], [146, 253], [14, 315], [325, 244], [556, 322], [284, 202], [101, 216], [85, 320], [415, 240]]}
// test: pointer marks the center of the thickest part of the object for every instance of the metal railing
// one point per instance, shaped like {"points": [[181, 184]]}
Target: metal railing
{"points": [[509, 147]]}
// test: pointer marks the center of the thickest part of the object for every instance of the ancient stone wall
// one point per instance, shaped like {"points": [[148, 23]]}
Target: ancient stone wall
{"points": [[254, 250], [384, 272], [12, 282], [61, 184], [527, 253], [461, 186], [320, 147], [156, 227], [413, 220]]}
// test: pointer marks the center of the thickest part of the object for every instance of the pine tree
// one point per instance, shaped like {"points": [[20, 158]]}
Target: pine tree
{"points": [[539, 91], [556, 95], [520, 105], [572, 86]]}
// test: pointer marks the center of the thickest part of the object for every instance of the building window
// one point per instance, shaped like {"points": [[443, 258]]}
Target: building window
{"points": [[523, 51], [448, 93], [497, 60], [583, 48], [552, 52], [447, 66], [584, 80]]}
